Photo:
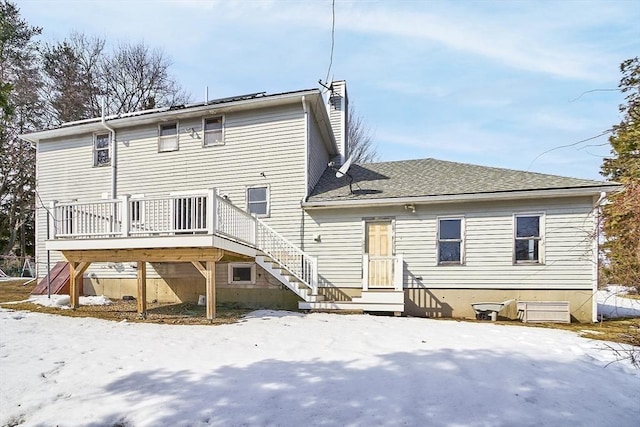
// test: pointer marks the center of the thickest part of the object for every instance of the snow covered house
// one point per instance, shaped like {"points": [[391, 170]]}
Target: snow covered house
{"points": [[240, 199]]}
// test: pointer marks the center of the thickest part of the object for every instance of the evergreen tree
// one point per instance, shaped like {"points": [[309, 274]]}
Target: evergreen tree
{"points": [[622, 214]]}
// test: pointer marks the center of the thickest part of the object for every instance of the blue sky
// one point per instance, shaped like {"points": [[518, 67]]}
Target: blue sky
{"points": [[495, 83]]}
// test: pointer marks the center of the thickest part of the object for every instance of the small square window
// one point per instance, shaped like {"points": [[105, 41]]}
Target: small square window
{"points": [[450, 247], [101, 155], [258, 201], [168, 137], [527, 239], [242, 274], [213, 131]]}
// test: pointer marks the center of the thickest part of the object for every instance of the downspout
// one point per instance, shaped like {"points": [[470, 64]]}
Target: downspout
{"points": [[114, 156], [306, 148], [306, 169], [596, 254]]}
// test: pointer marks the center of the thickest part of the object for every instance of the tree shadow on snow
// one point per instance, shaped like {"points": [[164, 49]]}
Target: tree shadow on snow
{"points": [[446, 387]]}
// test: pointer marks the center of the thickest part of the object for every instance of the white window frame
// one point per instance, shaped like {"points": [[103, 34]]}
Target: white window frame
{"points": [[204, 131], [541, 238], [462, 239], [233, 265], [268, 196], [161, 138], [96, 149]]}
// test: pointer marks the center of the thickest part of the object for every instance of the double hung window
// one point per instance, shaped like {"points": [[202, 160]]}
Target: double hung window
{"points": [[450, 241]]}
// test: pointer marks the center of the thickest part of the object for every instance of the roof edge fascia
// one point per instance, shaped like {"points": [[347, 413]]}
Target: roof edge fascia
{"points": [[169, 114], [452, 198]]}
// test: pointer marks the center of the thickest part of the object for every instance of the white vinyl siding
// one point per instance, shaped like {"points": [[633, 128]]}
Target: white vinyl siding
{"points": [[264, 147], [488, 245], [318, 155]]}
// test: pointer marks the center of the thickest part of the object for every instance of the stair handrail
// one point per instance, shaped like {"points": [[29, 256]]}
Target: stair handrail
{"points": [[307, 269]]}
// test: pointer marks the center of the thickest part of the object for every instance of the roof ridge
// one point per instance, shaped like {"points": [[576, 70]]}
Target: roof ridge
{"points": [[473, 165]]}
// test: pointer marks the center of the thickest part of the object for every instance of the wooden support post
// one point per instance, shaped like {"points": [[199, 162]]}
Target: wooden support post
{"points": [[210, 277], [76, 270], [142, 289]]}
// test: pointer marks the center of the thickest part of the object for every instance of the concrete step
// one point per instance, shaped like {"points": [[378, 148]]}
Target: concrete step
{"points": [[350, 306], [387, 297]]}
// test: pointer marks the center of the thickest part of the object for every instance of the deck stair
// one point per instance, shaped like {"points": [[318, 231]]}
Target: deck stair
{"points": [[60, 282], [299, 287]]}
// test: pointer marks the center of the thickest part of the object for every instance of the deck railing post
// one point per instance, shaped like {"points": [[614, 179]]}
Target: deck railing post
{"points": [[398, 273], [51, 216], [365, 272], [255, 231], [212, 211], [314, 275], [126, 224]]}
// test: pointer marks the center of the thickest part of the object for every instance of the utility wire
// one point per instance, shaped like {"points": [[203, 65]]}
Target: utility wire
{"points": [[566, 146], [594, 90], [333, 35]]}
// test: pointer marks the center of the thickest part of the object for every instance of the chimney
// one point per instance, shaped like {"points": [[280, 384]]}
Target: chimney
{"points": [[338, 109]]}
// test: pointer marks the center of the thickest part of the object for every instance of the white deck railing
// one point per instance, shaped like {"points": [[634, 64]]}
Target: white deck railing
{"points": [[380, 272], [203, 213]]}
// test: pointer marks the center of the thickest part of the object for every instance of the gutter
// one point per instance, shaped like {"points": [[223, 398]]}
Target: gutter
{"points": [[449, 198]]}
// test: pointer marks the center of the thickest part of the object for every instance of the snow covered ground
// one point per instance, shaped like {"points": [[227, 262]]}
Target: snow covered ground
{"points": [[292, 369], [612, 303]]}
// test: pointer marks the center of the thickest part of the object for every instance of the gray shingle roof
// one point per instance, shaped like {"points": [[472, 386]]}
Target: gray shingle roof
{"points": [[431, 177]]}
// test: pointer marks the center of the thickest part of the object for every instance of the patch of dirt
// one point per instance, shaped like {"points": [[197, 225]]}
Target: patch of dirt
{"points": [[118, 310]]}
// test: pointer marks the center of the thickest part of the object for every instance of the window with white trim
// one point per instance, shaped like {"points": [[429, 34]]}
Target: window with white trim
{"points": [[450, 241], [242, 273], [527, 239], [101, 155], [258, 201], [213, 131], [168, 137]]}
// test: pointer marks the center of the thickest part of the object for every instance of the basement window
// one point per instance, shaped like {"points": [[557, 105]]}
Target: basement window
{"points": [[242, 273], [101, 155], [213, 131], [168, 137]]}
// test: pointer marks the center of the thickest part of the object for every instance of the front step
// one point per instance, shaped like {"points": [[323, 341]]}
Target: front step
{"points": [[382, 297], [351, 306]]}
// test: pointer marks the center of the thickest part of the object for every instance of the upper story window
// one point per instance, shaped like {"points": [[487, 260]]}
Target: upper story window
{"points": [[213, 131], [168, 137], [101, 154], [527, 240], [450, 241], [258, 201]]}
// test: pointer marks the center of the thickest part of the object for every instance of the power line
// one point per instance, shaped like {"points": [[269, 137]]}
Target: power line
{"points": [[333, 34], [594, 90], [567, 145]]}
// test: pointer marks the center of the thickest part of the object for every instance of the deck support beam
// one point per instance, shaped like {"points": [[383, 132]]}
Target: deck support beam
{"points": [[142, 289], [76, 271], [210, 278], [208, 270]]}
